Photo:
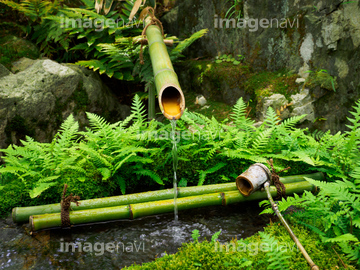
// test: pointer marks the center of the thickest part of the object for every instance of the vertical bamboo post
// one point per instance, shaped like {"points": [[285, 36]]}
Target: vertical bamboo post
{"points": [[171, 97], [151, 102]]}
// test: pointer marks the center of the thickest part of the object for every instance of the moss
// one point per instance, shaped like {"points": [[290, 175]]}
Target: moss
{"points": [[208, 255], [80, 97], [12, 49], [215, 72], [266, 83]]}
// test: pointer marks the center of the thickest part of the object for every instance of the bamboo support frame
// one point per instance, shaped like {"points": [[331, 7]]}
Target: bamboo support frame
{"points": [[22, 214], [132, 211], [171, 97], [313, 266]]}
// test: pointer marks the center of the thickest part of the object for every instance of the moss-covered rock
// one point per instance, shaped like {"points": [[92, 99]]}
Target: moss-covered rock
{"points": [[36, 100]]}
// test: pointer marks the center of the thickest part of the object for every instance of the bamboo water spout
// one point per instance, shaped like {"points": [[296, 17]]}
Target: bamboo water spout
{"points": [[171, 97]]}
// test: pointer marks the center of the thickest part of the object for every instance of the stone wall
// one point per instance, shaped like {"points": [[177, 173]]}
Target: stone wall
{"points": [[305, 35]]}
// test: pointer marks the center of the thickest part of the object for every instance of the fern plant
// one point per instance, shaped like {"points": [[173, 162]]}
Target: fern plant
{"points": [[38, 165], [277, 258]]}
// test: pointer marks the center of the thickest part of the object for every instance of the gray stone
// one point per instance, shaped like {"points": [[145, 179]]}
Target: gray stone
{"points": [[300, 80], [303, 104], [22, 64], [275, 101], [3, 71], [36, 100]]}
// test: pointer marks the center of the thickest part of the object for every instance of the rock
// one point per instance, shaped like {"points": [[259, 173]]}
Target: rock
{"points": [[201, 100], [275, 101], [303, 104], [300, 80], [3, 71], [38, 99], [22, 64]]}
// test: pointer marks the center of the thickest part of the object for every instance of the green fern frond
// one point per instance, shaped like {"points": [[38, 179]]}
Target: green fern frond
{"points": [[151, 174], [271, 118], [176, 52], [202, 174], [138, 110], [261, 141], [239, 116]]}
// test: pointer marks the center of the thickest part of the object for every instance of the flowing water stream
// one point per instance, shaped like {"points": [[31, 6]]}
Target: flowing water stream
{"points": [[135, 241], [175, 164]]}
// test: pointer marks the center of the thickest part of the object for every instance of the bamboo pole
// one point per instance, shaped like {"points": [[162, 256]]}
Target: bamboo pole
{"points": [[38, 222], [171, 97], [22, 214], [313, 266], [151, 102]]}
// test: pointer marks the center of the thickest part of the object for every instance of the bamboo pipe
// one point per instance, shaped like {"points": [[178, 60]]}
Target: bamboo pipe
{"points": [[22, 214], [274, 206], [171, 97], [132, 211]]}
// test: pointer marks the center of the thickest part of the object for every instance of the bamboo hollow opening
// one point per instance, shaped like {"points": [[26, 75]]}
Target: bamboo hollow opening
{"points": [[173, 102], [252, 179]]}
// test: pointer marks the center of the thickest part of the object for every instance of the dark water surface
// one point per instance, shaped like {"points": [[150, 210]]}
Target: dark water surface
{"points": [[115, 245]]}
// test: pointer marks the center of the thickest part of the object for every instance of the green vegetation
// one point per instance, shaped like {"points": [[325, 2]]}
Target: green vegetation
{"points": [[229, 58], [12, 49], [235, 9], [135, 155], [107, 43], [265, 84], [271, 249], [321, 78]]}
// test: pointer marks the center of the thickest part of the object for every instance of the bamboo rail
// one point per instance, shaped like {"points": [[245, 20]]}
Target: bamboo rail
{"points": [[132, 211], [22, 214]]}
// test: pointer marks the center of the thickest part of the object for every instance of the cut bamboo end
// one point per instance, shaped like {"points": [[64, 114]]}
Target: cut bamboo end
{"points": [[13, 214], [253, 178], [172, 101]]}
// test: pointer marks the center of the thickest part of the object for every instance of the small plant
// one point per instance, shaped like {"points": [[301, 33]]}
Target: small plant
{"points": [[235, 9], [195, 235], [229, 59], [321, 78]]}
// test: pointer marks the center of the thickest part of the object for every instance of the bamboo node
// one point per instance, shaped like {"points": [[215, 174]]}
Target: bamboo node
{"points": [[275, 179], [66, 206]]}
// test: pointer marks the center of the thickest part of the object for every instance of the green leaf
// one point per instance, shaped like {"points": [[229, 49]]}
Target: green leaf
{"points": [[195, 235], [105, 173], [343, 238], [215, 236], [182, 182], [39, 189]]}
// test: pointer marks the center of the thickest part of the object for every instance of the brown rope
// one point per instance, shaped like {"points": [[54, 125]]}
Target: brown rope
{"points": [[154, 21], [275, 179], [65, 207]]}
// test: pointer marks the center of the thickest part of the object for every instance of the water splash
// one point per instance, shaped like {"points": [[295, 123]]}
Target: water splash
{"points": [[175, 164]]}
